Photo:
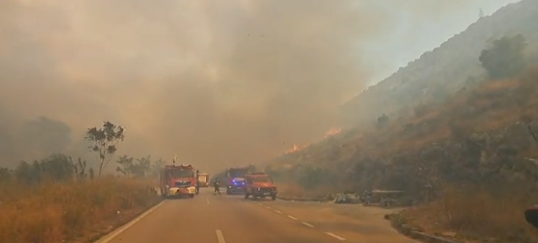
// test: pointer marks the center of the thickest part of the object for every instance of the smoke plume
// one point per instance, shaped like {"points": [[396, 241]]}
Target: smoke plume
{"points": [[217, 82]]}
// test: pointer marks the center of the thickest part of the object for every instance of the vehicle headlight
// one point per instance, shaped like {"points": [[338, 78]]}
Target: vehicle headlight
{"points": [[167, 187]]}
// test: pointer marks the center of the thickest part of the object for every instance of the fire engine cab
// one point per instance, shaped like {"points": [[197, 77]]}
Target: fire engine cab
{"points": [[178, 180]]}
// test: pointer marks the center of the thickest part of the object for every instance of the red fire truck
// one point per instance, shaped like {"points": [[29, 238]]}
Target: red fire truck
{"points": [[178, 180]]}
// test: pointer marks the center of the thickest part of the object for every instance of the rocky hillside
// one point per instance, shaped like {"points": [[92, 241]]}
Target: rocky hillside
{"points": [[438, 73]]}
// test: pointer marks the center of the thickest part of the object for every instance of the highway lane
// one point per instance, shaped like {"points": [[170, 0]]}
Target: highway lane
{"points": [[353, 222], [231, 219]]}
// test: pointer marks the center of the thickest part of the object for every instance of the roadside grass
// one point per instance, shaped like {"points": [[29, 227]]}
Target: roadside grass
{"points": [[478, 214], [70, 211]]}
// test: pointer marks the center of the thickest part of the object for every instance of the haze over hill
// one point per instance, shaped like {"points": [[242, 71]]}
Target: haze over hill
{"points": [[442, 71], [214, 82], [448, 117]]}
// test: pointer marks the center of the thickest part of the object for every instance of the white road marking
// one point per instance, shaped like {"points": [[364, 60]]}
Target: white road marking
{"points": [[307, 224], [276, 211], [220, 237], [336, 236], [291, 217], [118, 231], [267, 207], [207, 200], [261, 204]]}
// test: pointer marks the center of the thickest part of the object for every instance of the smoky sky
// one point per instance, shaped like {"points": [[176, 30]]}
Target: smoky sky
{"points": [[215, 82]]}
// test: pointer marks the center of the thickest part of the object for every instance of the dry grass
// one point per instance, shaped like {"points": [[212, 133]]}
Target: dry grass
{"points": [[478, 215], [61, 212]]}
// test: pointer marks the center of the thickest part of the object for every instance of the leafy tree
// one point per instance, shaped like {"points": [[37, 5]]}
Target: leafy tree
{"points": [[125, 163], [25, 173], [504, 58], [104, 141], [129, 167], [5, 175], [141, 167], [57, 167], [80, 168], [156, 166]]}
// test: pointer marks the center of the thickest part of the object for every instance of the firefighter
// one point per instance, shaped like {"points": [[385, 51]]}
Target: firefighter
{"points": [[216, 184], [197, 183]]}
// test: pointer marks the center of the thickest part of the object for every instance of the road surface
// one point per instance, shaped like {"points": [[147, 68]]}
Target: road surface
{"points": [[209, 218]]}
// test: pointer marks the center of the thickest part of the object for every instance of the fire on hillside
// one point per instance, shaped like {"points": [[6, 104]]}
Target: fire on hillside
{"points": [[329, 133]]}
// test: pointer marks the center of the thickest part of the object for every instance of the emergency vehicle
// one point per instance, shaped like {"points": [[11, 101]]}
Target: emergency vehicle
{"points": [[236, 180], [178, 180], [203, 179], [260, 185]]}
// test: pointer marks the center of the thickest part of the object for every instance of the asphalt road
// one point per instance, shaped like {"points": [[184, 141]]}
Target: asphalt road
{"points": [[209, 218]]}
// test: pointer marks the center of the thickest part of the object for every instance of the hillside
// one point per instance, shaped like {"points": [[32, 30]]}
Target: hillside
{"points": [[478, 151], [438, 73], [451, 124]]}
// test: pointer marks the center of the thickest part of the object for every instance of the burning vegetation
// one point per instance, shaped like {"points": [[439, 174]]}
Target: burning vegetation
{"points": [[329, 133]]}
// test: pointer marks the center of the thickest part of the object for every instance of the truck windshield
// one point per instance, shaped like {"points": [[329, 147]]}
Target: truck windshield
{"points": [[238, 172], [261, 179], [179, 173]]}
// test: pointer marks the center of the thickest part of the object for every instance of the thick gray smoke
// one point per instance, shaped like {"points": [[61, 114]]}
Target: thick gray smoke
{"points": [[217, 82]]}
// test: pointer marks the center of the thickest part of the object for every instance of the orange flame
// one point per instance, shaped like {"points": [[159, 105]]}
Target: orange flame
{"points": [[296, 148], [331, 132]]}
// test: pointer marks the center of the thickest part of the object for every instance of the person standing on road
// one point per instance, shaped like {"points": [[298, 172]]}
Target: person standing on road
{"points": [[216, 184], [197, 187]]}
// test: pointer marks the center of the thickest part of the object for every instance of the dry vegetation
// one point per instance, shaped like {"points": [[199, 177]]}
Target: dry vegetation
{"points": [[471, 214], [487, 212], [77, 211], [473, 206], [58, 199], [465, 123]]}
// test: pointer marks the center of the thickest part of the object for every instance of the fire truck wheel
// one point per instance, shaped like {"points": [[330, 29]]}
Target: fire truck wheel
{"points": [[191, 195], [246, 195], [273, 197]]}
